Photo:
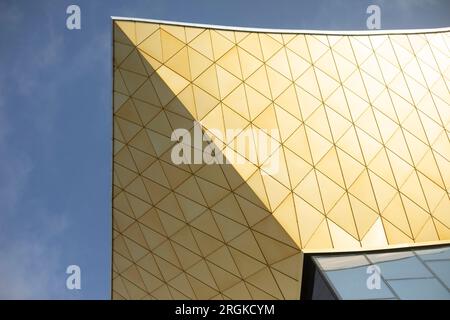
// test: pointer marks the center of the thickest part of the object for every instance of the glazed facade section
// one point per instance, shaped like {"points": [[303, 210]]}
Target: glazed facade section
{"points": [[361, 126], [405, 274]]}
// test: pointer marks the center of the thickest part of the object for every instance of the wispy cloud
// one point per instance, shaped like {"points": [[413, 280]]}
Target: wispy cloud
{"points": [[30, 260], [15, 168], [28, 270], [32, 256], [10, 14], [4, 127], [14, 174], [408, 8]]}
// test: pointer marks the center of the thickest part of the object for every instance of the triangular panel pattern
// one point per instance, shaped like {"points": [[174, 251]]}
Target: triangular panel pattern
{"points": [[360, 128]]}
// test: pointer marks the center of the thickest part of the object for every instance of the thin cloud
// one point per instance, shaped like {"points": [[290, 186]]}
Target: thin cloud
{"points": [[29, 261], [29, 270]]}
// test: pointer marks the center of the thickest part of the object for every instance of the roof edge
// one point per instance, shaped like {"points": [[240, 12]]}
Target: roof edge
{"points": [[413, 245], [317, 32]]}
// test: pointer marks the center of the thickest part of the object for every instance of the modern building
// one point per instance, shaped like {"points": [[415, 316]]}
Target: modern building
{"points": [[279, 164]]}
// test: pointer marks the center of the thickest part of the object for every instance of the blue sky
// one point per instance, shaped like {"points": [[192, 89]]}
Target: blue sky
{"points": [[55, 122]]}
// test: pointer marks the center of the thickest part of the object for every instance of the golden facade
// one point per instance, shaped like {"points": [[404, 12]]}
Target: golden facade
{"points": [[363, 127]]}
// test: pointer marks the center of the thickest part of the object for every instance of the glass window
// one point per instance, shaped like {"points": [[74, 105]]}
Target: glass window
{"points": [[403, 268], [408, 289], [410, 273], [442, 270], [352, 284], [434, 254]]}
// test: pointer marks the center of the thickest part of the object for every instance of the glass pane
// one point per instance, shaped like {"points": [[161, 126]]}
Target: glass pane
{"points": [[352, 284], [410, 273], [419, 289], [442, 270], [403, 268], [434, 254], [321, 290], [341, 262], [388, 256]]}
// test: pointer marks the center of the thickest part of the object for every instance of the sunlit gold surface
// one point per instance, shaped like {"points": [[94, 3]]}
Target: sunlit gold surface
{"points": [[363, 126]]}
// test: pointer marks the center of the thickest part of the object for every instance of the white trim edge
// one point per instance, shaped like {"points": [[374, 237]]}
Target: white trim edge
{"points": [[321, 32]]}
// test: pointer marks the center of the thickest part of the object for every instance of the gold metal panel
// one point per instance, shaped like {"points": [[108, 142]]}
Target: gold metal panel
{"points": [[361, 125]]}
